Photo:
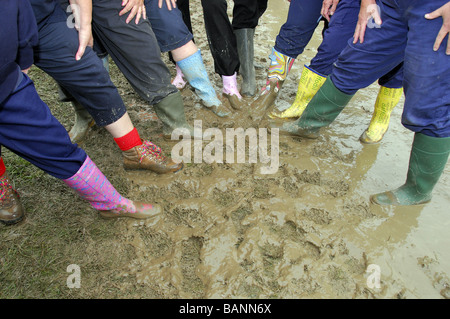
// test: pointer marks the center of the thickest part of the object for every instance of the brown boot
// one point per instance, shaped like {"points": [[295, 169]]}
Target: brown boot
{"points": [[11, 209], [143, 211], [148, 156]]}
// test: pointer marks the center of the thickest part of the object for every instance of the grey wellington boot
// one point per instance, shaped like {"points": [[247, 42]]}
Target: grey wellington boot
{"points": [[245, 46]]}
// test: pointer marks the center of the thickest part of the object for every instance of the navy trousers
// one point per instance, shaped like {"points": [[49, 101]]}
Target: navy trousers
{"points": [[404, 36], [28, 128], [86, 80], [168, 26], [303, 19]]}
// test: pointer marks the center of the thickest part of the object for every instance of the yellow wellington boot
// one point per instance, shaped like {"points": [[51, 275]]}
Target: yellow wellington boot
{"points": [[310, 82], [386, 101]]}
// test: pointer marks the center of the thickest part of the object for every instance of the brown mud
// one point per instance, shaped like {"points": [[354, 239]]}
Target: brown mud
{"points": [[306, 231]]}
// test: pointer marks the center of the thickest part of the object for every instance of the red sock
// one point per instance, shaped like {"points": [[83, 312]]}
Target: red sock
{"points": [[129, 140], [2, 167]]}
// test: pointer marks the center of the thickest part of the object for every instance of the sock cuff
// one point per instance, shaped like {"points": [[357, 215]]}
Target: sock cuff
{"points": [[2, 167], [129, 140]]}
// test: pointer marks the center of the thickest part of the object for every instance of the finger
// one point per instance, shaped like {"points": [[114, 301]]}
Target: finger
{"points": [[127, 8], [138, 15], [160, 2], [80, 52], [434, 14], [333, 8], [355, 35], [439, 38], [132, 14], [376, 17], [144, 12]]}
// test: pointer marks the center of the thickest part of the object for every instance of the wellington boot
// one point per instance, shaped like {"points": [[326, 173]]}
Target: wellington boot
{"points": [[262, 104], [387, 99], [170, 111], [323, 109], [428, 158], [279, 68], [11, 209], [310, 82], [230, 91], [91, 185], [245, 47], [83, 123], [195, 73]]}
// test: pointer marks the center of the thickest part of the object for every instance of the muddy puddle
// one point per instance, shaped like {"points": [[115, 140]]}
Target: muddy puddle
{"points": [[307, 230]]}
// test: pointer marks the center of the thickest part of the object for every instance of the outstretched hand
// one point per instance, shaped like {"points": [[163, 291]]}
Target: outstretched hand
{"points": [[443, 12], [136, 9]]}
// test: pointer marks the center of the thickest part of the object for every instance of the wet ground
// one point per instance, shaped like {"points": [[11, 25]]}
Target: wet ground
{"points": [[228, 231], [308, 230]]}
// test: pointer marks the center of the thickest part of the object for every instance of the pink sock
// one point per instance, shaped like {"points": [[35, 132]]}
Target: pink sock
{"points": [[179, 81], [90, 183], [230, 85]]}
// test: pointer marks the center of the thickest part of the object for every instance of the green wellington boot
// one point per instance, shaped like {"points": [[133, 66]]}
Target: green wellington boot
{"points": [[428, 158], [170, 111], [323, 109]]}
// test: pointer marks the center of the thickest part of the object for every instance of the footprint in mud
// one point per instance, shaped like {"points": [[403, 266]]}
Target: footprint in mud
{"points": [[185, 215], [272, 255], [183, 190], [189, 261], [157, 243], [317, 215], [238, 216]]}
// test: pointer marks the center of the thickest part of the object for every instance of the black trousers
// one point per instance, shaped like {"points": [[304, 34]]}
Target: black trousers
{"points": [[219, 29]]}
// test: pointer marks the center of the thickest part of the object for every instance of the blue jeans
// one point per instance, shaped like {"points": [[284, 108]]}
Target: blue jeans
{"points": [[404, 36]]}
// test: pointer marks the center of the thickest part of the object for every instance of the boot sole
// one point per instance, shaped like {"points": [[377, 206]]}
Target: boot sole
{"points": [[13, 222]]}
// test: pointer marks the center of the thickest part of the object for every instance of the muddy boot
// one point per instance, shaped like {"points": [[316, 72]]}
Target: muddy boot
{"points": [[279, 68], [244, 39], [428, 158], [310, 82], [11, 209], [90, 184], [148, 156], [83, 122], [231, 92], [323, 109], [387, 99], [170, 111], [195, 72], [178, 81]]}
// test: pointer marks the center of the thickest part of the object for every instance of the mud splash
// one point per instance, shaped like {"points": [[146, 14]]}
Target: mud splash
{"points": [[308, 231]]}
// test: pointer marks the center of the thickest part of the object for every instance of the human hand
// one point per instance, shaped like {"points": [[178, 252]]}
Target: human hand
{"points": [[328, 8], [369, 9], [136, 9], [26, 70], [85, 39], [443, 12], [170, 4]]}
